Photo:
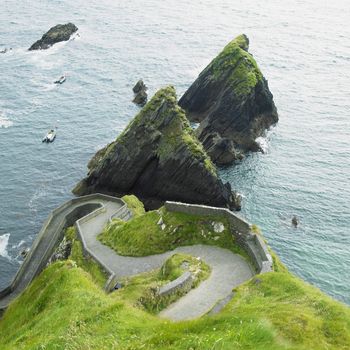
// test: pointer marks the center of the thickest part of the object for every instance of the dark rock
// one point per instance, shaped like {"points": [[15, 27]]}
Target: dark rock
{"points": [[60, 32], [295, 221], [140, 98], [232, 101], [62, 252], [140, 93], [24, 252], [158, 158], [140, 86]]}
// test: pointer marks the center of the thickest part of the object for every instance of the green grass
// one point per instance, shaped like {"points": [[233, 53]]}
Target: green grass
{"points": [[134, 204], [98, 275], [143, 236], [243, 69], [174, 268], [164, 116], [64, 309], [142, 290]]}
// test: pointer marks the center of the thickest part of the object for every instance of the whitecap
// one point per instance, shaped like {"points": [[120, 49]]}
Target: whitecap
{"points": [[4, 240], [15, 246], [5, 122], [263, 143]]}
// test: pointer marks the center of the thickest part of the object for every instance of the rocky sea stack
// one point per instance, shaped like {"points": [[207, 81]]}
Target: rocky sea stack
{"points": [[158, 158], [140, 97], [60, 32], [232, 101]]}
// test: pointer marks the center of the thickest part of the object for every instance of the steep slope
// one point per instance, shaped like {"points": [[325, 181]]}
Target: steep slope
{"points": [[158, 158], [232, 101]]}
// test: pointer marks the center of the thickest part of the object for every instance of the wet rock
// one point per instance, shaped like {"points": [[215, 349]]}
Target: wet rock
{"points": [[139, 86], [295, 221], [139, 89], [24, 252], [60, 32]]}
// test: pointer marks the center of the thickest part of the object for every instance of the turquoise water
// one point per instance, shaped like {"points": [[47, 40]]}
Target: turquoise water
{"points": [[303, 50]]}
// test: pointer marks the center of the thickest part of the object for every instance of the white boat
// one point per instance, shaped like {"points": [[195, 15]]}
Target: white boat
{"points": [[50, 136], [61, 80]]}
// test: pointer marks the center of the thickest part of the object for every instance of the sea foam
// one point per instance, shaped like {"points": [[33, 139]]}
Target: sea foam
{"points": [[4, 240]]}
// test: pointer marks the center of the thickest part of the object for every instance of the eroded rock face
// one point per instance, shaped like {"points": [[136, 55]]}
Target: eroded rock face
{"points": [[60, 32], [232, 101], [158, 158], [140, 97]]}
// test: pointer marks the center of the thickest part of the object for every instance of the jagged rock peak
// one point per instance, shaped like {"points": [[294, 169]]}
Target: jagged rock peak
{"points": [[139, 89], [60, 32], [158, 157], [232, 101]]}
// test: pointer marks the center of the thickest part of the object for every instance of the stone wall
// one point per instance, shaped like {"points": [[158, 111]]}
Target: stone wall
{"points": [[38, 256], [252, 243], [182, 283]]}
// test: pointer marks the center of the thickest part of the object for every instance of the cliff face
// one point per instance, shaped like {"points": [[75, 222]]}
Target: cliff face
{"points": [[158, 158], [232, 101], [60, 32]]}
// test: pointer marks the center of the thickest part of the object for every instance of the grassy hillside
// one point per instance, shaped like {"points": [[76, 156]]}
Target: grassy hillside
{"points": [[65, 309], [158, 231]]}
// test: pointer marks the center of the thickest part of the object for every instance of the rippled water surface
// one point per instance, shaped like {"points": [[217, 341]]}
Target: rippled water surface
{"points": [[302, 48]]}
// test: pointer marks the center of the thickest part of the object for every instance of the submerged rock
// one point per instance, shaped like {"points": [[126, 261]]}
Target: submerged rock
{"points": [[60, 32], [295, 221], [139, 89], [232, 101], [158, 158]]}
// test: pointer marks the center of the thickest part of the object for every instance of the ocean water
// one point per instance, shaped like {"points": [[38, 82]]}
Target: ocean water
{"points": [[303, 49]]}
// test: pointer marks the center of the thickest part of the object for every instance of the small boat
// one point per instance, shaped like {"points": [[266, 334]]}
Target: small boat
{"points": [[61, 80], [50, 136]]}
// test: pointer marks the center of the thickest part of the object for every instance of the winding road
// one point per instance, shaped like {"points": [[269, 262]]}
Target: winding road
{"points": [[90, 214], [228, 270]]}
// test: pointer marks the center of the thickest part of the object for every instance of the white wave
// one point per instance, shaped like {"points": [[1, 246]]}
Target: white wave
{"points": [[15, 246], [4, 240], [263, 143], [5, 122]]}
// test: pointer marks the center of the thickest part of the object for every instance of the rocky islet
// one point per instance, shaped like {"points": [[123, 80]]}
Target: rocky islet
{"points": [[58, 33], [232, 102], [158, 158]]}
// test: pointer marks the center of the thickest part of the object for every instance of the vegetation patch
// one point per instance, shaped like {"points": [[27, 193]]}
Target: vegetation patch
{"points": [[64, 309], [240, 66], [159, 231], [162, 114], [134, 204], [143, 290], [98, 275]]}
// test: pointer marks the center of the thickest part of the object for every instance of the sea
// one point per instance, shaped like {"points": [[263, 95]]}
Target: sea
{"points": [[302, 48]]}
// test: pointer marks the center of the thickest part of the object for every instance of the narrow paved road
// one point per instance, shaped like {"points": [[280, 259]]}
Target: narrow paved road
{"points": [[48, 233], [228, 269]]}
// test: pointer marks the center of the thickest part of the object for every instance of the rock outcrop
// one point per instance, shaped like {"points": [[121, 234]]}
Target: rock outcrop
{"points": [[139, 89], [232, 101], [158, 158], [60, 32]]}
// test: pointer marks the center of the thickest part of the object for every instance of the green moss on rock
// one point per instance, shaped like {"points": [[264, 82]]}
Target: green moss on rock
{"points": [[244, 73]]}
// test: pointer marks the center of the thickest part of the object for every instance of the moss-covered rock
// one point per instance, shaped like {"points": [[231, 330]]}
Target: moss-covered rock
{"points": [[232, 102], [158, 157], [60, 32]]}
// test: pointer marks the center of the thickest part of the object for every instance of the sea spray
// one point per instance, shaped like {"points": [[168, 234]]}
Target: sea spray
{"points": [[4, 240]]}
